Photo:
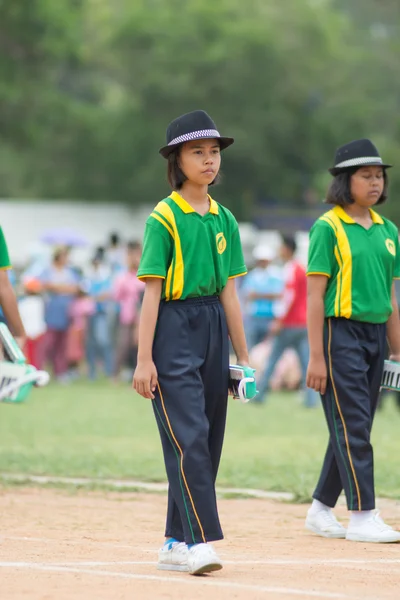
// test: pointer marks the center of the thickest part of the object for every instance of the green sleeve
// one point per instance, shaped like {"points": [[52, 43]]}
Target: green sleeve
{"points": [[157, 250], [4, 257], [321, 251], [396, 272], [237, 266]]}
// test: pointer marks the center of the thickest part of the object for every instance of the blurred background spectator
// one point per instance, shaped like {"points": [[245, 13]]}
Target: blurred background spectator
{"points": [[98, 336], [60, 284], [290, 325], [260, 290], [128, 294]]}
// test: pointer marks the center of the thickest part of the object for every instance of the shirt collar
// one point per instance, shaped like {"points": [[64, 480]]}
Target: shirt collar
{"points": [[186, 208], [343, 216]]}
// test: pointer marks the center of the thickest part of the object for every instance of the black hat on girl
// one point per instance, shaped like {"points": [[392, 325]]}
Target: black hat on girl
{"points": [[360, 153], [195, 125]]}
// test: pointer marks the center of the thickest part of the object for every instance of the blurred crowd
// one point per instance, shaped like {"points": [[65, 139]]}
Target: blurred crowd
{"points": [[274, 303], [82, 321]]}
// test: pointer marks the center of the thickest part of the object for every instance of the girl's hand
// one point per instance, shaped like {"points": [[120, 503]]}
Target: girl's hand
{"points": [[145, 379], [317, 375], [395, 357]]}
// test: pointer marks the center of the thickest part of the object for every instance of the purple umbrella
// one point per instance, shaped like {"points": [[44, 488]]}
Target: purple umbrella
{"points": [[63, 236]]}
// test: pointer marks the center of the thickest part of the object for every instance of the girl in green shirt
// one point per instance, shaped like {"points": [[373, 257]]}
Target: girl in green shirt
{"points": [[354, 257], [191, 257]]}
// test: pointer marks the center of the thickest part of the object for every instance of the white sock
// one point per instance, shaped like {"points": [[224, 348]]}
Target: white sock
{"points": [[317, 506], [358, 518]]}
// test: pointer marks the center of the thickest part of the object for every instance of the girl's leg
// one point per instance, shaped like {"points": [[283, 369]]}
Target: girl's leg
{"points": [[329, 486], [377, 349], [180, 410], [214, 373], [348, 413], [174, 528], [215, 376]]}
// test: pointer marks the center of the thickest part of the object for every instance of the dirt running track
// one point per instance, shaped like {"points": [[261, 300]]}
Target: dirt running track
{"points": [[94, 546]]}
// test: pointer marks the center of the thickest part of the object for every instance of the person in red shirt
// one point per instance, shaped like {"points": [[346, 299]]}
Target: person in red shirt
{"points": [[290, 325]]}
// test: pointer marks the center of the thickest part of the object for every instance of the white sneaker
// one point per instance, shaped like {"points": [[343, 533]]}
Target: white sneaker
{"points": [[324, 523], [202, 558], [173, 557], [374, 530]]}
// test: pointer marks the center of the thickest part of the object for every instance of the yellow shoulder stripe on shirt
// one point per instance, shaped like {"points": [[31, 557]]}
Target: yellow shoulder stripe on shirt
{"points": [[175, 275], [158, 218], [343, 256]]}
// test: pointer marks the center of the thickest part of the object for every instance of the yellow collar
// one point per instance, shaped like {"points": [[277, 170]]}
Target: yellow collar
{"points": [[342, 214], [186, 208]]}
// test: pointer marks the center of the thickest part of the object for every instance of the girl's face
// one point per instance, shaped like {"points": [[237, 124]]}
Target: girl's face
{"points": [[367, 185], [200, 160]]}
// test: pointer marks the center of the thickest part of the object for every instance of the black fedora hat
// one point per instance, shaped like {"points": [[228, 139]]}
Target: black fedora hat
{"points": [[360, 153], [195, 125]]}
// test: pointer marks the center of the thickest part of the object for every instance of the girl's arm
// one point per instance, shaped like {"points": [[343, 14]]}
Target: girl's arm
{"points": [[8, 302], [393, 329], [233, 313], [145, 377], [317, 371]]}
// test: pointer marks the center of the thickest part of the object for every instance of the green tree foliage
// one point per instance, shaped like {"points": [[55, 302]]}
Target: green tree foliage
{"points": [[87, 88]]}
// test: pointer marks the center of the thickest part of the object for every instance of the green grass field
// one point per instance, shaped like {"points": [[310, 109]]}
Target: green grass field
{"points": [[99, 430]]}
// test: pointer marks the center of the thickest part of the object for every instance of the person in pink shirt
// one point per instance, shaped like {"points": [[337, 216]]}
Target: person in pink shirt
{"points": [[80, 310], [128, 292], [290, 325]]}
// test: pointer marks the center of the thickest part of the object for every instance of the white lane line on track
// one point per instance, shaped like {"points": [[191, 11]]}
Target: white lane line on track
{"points": [[272, 562], [185, 581]]}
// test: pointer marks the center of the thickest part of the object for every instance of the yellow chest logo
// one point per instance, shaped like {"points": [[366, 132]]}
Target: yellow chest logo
{"points": [[391, 247], [221, 243]]}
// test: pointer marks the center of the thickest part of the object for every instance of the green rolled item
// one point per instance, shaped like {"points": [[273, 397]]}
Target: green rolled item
{"points": [[242, 383]]}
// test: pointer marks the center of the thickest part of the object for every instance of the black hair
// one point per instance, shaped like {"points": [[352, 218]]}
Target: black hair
{"points": [[176, 177], [289, 242], [134, 245], [339, 192], [114, 239]]}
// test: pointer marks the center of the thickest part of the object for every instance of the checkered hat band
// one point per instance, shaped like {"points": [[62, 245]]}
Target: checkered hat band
{"points": [[355, 162], [195, 135]]}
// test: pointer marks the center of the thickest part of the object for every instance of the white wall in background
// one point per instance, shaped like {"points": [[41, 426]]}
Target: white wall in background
{"points": [[24, 221]]}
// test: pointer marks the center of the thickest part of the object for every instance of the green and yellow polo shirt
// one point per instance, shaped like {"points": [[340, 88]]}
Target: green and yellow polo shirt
{"points": [[194, 254], [360, 263], [4, 257]]}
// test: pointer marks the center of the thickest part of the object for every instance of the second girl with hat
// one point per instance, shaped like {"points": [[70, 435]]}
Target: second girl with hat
{"points": [[354, 256]]}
